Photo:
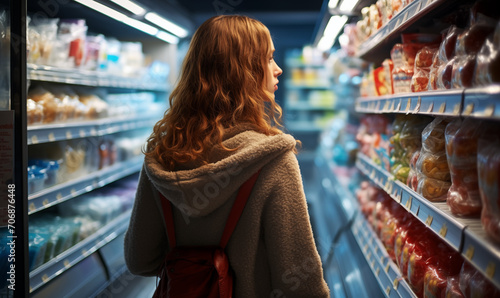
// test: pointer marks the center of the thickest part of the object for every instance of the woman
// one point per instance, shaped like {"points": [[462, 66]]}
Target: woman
{"points": [[217, 133]]}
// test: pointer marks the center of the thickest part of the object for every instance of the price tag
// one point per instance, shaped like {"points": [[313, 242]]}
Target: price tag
{"points": [[34, 139], [82, 133], [66, 264], [398, 108], [395, 283], [45, 202], [372, 174], [32, 207], [456, 109], [31, 289], [386, 106], [377, 272], [93, 132], [408, 106], [69, 135], [442, 108], [377, 108], [468, 109], [372, 264], [408, 203], [382, 259], [392, 106], [59, 196], [369, 255], [469, 254], [365, 248], [73, 192], [387, 290], [84, 252], [428, 221], [431, 107], [45, 278], [386, 186], [489, 111], [490, 270], [419, 103], [443, 230], [386, 269], [52, 137]]}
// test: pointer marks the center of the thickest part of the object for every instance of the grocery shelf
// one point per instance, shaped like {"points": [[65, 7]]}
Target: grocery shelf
{"points": [[379, 44], [463, 234], [303, 126], [55, 267], [482, 102], [436, 216], [62, 192], [383, 268], [443, 103], [482, 252], [90, 78], [45, 133]]}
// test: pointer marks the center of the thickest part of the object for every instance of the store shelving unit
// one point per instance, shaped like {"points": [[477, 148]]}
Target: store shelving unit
{"points": [[90, 78], [464, 235], [61, 263], [62, 192]]}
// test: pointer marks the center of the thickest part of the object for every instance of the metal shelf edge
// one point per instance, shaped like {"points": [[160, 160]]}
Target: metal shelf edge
{"points": [[78, 252]]}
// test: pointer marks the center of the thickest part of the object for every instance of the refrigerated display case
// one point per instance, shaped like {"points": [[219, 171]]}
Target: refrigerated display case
{"points": [[75, 146]]}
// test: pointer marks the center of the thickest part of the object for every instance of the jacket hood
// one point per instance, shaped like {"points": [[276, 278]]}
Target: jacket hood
{"points": [[199, 190]]}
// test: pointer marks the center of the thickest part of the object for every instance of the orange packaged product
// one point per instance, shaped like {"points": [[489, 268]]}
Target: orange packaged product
{"points": [[433, 72], [488, 164], [433, 190], [388, 68], [461, 150], [434, 166]]}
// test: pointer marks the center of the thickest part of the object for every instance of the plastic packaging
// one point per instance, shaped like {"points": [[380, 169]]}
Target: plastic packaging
{"points": [[461, 150], [488, 60], [52, 111], [444, 74], [34, 112], [488, 165]]}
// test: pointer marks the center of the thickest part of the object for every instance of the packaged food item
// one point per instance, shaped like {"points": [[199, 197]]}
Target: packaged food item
{"points": [[436, 279], [444, 74], [488, 166], [448, 45], [433, 190], [50, 167], [36, 179], [433, 166], [382, 86], [37, 246], [75, 31], [375, 18], [484, 8], [488, 60], [433, 72], [453, 287], [34, 112], [51, 105], [433, 135], [412, 180], [461, 150], [97, 108], [388, 68]]}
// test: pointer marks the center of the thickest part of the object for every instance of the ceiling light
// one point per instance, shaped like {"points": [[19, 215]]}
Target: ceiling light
{"points": [[127, 20], [167, 37], [166, 24], [348, 5], [333, 3], [131, 6], [335, 24]]}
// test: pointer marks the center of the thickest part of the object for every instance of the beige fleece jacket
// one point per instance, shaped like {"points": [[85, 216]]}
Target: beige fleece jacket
{"points": [[271, 251]]}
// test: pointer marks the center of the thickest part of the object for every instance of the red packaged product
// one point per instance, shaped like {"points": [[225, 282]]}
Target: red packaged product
{"points": [[488, 60], [444, 75], [463, 72], [471, 41], [424, 57], [488, 8], [474, 284], [412, 181], [449, 263], [405, 243], [488, 165], [398, 216], [453, 288], [420, 80], [447, 46], [461, 150]]}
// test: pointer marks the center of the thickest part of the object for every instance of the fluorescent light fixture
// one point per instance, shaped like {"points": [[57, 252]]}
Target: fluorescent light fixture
{"points": [[333, 3], [348, 5], [103, 9], [131, 6], [141, 26], [126, 20], [166, 24], [167, 37], [335, 24]]}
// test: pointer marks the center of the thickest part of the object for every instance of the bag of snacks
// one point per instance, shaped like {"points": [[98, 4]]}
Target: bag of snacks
{"points": [[461, 149], [488, 166]]}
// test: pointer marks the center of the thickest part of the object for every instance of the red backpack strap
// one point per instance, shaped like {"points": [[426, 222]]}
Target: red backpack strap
{"points": [[237, 209], [169, 219]]}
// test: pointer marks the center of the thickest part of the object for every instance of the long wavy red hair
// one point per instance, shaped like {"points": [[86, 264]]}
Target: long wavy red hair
{"points": [[221, 86]]}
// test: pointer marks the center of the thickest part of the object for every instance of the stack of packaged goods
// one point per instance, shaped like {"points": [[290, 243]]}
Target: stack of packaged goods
{"points": [[432, 172], [51, 233], [431, 267]]}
